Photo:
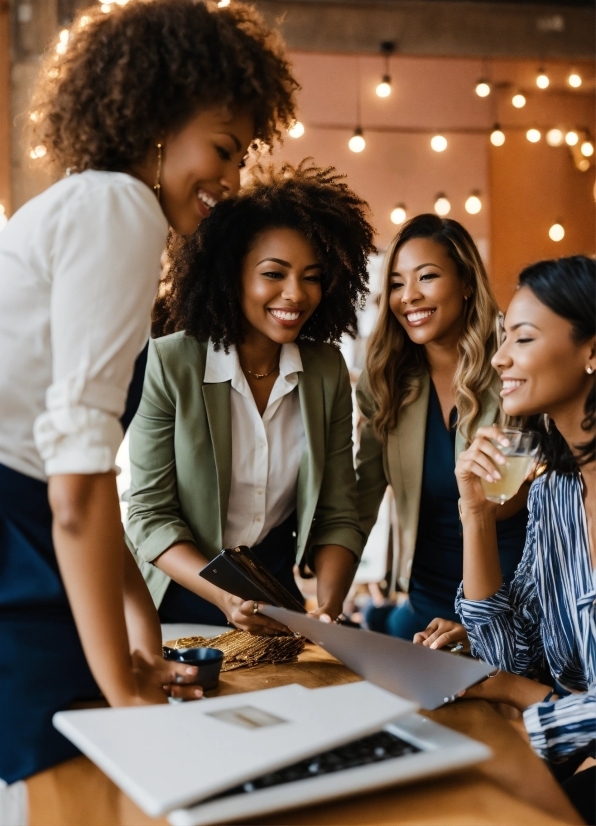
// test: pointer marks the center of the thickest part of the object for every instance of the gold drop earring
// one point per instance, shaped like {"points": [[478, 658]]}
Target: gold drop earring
{"points": [[157, 185]]}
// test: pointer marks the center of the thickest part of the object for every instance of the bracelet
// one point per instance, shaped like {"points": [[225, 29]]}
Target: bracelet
{"points": [[494, 674]]}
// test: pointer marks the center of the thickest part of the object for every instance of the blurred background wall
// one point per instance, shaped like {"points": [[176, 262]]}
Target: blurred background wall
{"points": [[435, 53]]}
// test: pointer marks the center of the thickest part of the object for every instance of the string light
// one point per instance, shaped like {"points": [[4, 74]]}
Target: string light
{"points": [[62, 42], [38, 152], [383, 90], [583, 164], [571, 138], [556, 232], [296, 130], [587, 149], [438, 143], [473, 204], [34, 116], [555, 137], [518, 100], [574, 80], [357, 142], [482, 89], [533, 135], [442, 205], [223, 3], [105, 7], [542, 80], [399, 214], [497, 136], [85, 19]]}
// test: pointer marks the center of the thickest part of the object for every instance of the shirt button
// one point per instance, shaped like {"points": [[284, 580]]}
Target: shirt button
{"points": [[258, 518], [262, 445], [260, 491]]}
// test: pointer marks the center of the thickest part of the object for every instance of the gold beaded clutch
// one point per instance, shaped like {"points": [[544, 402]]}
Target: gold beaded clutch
{"points": [[242, 649]]}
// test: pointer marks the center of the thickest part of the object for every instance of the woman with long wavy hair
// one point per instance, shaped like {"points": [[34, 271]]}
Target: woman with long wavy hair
{"points": [[427, 387]]}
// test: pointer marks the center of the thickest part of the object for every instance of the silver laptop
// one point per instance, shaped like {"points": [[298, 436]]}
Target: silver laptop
{"points": [[424, 675]]}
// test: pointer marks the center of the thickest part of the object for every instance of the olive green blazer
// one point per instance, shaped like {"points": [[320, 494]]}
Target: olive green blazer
{"points": [[399, 463], [181, 451]]}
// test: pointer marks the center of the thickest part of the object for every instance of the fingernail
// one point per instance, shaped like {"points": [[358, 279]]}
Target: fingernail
{"points": [[433, 645], [501, 460], [198, 692], [192, 669], [504, 441], [496, 476]]}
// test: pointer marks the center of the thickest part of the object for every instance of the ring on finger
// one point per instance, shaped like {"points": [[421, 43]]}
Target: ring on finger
{"points": [[255, 607]]}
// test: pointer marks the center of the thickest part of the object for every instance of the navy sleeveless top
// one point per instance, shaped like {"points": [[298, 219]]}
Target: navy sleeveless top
{"points": [[437, 568]]}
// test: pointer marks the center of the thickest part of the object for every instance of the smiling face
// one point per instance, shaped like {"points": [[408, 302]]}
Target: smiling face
{"points": [[281, 285], [201, 165], [427, 293], [542, 368]]}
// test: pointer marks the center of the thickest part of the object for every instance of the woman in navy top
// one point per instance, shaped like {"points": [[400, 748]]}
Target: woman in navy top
{"points": [[543, 624], [149, 109], [427, 387]]}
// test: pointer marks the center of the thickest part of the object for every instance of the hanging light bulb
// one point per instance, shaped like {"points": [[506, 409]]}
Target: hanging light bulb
{"points": [[571, 138], [38, 152], [223, 3], [62, 42], [518, 100], [555, 137], [438, 143], [482, 89], [473, 204], [574, 80], [398, 215], [442, 205], [497, 136], [533, 135], [556, 232], [384, 88], [296, 130], [542, 79], [357, 142], [587, 149]]}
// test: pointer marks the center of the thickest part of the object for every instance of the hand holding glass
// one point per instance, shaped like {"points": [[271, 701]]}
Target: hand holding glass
{"points": [[520, 453]]}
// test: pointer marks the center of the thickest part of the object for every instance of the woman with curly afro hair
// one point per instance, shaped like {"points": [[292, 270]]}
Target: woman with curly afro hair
{"points": [[147, 110], [244, 432]]}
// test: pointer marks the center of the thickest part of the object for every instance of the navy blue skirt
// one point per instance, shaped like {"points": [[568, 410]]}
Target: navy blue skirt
{"points": [[42, 664]]}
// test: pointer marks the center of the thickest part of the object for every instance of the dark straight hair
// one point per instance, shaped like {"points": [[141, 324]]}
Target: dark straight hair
{"points": [[567, 286]]}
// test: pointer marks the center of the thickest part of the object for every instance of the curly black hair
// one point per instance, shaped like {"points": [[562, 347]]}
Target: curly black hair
{"points": [[118, 80], [202, 293], [567, 287]]}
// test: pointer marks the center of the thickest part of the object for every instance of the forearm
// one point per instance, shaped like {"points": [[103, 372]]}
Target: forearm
{"points": [[90, 550], [142, 620], [182, 563], [335, 567], [482, 569]]}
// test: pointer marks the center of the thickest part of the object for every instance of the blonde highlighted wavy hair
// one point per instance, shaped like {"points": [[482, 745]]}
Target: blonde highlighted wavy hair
{"points": [[394, 363]]}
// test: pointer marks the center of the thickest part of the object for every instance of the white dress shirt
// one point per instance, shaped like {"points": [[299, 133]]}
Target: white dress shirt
{"points": [[79, 270], [266, 451]]}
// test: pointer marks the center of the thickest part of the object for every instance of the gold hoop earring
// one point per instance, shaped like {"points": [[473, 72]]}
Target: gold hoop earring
{"points": [[157, 184]]}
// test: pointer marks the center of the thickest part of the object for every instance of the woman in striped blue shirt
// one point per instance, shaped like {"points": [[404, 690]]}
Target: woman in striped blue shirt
{"points": [[541, 628]]}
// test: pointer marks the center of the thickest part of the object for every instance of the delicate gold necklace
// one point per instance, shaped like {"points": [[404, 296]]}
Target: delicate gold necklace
{"points": [[259, 375]]}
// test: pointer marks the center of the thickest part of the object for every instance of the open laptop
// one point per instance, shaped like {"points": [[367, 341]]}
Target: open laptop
{"points": [[424, 675], [166, 760]]}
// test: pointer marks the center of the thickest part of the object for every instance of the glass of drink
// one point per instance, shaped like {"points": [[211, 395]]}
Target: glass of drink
{"points": [[519, 453]]}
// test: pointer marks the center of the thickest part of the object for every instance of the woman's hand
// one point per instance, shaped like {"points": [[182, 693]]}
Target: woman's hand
{"points": [[154, 679], [440, 632], [242, 615], [480, 461]]}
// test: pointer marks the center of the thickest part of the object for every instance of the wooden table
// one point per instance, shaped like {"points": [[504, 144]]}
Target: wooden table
{"points": [[513, 788]]}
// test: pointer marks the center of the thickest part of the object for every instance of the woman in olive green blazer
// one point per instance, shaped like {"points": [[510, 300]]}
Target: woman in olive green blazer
{"points": [[268, 279]]}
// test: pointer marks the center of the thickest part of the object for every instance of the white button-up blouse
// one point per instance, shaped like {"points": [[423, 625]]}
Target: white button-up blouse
{"points": [[79, 270], [266, 451]]}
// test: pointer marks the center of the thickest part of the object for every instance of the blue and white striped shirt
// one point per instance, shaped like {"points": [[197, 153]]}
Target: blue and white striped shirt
{"points": [[545, 620]]}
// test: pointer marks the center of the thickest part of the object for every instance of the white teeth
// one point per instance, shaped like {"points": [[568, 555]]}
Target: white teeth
{"points": [[509, 384], [206, 199], [285, 315], [418, 316]]}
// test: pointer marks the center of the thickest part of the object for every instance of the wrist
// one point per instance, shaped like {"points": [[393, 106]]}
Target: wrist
{"points": [[479, 512]]}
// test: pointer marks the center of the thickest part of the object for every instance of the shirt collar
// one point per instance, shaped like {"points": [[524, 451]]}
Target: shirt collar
{"points": [[221, 366]]}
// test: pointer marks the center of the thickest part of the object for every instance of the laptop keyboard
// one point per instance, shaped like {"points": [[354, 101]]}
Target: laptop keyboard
{"points": [[372, 749]]}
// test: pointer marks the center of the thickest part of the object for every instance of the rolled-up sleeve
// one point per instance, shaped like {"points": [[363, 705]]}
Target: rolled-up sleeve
{"points": [[505, 629], [105, 271], [559, 729]]}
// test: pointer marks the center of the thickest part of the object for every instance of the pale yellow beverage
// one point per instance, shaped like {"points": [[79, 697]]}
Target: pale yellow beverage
{"points": [[513, 473]]}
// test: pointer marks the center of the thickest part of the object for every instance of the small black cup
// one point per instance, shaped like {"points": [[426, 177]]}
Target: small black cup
{"points": [[208, 661]]}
